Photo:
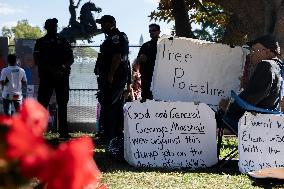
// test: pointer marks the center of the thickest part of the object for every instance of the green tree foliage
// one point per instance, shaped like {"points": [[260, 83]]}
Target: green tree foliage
{"points": [[229, 21], [210, 17], [85, 52], [22, 30]]}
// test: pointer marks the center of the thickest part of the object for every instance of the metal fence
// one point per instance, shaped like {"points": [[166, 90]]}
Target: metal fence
{"points": [[82, 105]]}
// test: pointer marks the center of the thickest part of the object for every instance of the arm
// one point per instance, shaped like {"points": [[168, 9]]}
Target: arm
{"points": [[120, 49], [142, 57], [69, 58], [2, 85], [2, 79], [116, 61], [24, 84], [129, 79]]}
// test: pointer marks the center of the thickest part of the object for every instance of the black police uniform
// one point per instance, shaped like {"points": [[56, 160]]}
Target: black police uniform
{"points": [[54, 58], [110, 94], [146, 69]]}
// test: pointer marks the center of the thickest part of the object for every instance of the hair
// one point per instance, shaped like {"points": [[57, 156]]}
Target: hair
{"points": [[155, 25], [12, 59]]}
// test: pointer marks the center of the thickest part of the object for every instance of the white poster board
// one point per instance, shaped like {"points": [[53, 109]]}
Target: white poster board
{"points": [[261, 142], [169, 135], [192, 70]]}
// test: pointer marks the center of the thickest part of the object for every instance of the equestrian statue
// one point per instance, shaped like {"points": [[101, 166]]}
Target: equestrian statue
{"points": [[86, 27]]}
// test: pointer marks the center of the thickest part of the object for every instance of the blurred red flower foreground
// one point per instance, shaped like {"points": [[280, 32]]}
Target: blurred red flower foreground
{"points": [[70, 166]]}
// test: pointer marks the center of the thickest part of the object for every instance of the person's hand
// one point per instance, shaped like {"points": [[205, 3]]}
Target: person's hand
{"points": [[223, 104]]}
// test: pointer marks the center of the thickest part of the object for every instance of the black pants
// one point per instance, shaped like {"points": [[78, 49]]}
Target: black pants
{"points": [[146, 92], [61, 87], [111, 115], [111, 120]]}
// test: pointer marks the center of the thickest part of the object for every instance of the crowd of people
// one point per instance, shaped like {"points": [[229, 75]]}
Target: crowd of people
{"points": [[118, 81]]}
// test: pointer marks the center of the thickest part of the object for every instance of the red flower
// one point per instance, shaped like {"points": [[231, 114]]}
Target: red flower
{"points": [[22, 141], [70, 166], [73, 166], [25, 135], [34, 115], [6, 120]]}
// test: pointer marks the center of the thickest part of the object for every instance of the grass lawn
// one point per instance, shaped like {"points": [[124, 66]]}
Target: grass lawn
{"points": [[120, 175]]}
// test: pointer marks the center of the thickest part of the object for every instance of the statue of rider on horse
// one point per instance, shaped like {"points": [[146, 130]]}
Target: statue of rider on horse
{"points": [[86, 27]]}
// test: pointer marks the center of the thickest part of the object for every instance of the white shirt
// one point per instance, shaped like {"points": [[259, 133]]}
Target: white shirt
{"points": [[14, 75]]}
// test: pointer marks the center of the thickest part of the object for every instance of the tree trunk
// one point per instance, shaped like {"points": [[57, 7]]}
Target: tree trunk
{"points": [[253, 18], [180, 13], [279, 27]]}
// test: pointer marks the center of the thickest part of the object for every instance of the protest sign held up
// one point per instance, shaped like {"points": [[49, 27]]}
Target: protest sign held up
{"points": [[192, 70]]}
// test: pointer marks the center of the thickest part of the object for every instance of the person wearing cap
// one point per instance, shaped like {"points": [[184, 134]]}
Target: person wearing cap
{"points": [[147, 58], [53, 56], [264, 85], [112, 70]]}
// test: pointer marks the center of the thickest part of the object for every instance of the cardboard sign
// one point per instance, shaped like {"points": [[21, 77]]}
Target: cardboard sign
{"points": [[196, 71], [169, 135], [261, 142]]}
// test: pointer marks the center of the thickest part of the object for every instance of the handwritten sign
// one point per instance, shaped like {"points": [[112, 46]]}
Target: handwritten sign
{"points": [[196, 71], [169, 135], [261, 142]]}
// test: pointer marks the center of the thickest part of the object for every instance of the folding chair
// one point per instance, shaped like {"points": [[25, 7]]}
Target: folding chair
{"points": [[230, 123]]}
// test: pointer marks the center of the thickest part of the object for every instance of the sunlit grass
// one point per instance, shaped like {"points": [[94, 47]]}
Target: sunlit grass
{"points": [[120, 175]]}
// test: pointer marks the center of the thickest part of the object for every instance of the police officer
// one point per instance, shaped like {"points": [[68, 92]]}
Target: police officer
{"points": [[54, 57], [112, 70]]}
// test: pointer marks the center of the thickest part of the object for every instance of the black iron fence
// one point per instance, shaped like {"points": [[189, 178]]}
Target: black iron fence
{"points": [[82, 105]]}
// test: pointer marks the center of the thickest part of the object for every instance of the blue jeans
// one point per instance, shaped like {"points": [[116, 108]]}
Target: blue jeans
{"points": [[7, 106]]}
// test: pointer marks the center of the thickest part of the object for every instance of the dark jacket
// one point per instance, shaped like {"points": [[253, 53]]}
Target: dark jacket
{"points": [[146, 69], [263, 89], [115, 43], [51, 54]]}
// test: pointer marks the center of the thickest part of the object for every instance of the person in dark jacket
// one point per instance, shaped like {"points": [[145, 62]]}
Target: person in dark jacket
{"points": [[112, 70], [147, 58], [264, 85], [53, 56]]}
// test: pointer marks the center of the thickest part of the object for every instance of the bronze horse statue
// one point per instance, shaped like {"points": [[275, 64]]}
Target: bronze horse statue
{"points": [[86, 27]]}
